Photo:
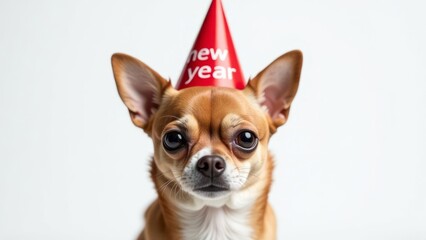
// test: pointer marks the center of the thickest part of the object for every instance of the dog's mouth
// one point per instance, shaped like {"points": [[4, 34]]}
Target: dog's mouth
{"points": [[211, 188]]}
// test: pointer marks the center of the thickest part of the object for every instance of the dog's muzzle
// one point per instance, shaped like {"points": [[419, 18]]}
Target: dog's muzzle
{"points": [[211, 168]]}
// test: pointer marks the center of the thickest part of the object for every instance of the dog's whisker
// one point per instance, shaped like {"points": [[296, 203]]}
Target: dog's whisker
{"points": [[164, 186]]}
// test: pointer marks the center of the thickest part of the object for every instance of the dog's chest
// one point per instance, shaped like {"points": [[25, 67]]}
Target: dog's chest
{"points": [[212, 223]]}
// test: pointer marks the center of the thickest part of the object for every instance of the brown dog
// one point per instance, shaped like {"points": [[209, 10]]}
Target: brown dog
{"points": [[211, 166]]}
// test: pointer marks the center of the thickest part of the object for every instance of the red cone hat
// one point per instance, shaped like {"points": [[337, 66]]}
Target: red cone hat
{"points": [[213, 60]]}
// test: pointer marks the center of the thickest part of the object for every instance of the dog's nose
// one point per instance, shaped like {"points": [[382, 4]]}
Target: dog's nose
{"points": [[211, 166]]}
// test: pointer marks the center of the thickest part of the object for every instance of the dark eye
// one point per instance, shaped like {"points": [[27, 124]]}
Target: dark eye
{"points": [[173, 141], [246, 140]]}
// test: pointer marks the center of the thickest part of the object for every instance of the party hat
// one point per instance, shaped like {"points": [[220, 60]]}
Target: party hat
{"points": [[213, 60]]}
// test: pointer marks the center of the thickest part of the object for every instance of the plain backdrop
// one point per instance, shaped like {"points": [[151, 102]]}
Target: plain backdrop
{"points": [[350, 163]]}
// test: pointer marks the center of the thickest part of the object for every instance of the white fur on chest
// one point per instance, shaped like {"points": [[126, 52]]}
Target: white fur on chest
{"points": [[211, 223]]}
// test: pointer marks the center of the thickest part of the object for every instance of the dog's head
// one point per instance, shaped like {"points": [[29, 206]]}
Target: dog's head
{"points": [[210, 141]]}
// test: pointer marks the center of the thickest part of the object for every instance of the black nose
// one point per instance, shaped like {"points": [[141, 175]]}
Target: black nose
{"points": [[211, 166]]}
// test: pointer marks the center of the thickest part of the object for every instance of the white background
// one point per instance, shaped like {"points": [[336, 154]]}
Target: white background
{"points": [[350, 163]]}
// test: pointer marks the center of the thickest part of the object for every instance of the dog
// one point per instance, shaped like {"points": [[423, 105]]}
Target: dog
{"points": [[211, 166]]}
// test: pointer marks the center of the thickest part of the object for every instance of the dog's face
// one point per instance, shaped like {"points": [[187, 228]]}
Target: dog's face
{"points": [[210, 141]]}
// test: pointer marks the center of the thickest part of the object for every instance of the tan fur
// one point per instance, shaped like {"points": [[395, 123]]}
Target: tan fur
{"points": [[211, 116]]}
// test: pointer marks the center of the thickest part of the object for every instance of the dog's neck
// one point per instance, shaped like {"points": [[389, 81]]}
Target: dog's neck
{"points": [[238, 216], [216, 223]]}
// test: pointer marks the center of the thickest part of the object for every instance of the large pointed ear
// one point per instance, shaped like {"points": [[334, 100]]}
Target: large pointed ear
{"points": [[140, 87], [275, 87]]}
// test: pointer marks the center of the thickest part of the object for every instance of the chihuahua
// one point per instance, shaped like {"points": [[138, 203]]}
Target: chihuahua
{"points": [[211, 166]]}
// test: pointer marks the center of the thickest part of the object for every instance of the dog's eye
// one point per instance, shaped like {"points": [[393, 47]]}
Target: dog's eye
{"points": [[246, 141], [173, 141]]}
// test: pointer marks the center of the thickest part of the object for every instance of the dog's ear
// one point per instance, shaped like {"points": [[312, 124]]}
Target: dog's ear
{"points": [[140, 87], [276, 86]]}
